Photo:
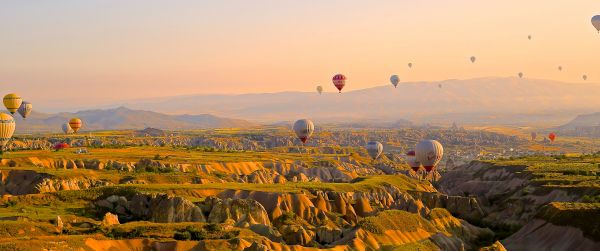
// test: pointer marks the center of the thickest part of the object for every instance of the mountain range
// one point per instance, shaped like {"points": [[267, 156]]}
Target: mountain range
{"points": [[123, 118], [495, 100]]}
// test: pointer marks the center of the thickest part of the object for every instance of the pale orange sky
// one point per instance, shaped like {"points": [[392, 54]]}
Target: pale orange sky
{"points": [[114, 50]]}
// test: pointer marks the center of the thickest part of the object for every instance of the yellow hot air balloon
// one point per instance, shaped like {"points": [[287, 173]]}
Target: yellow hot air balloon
{"points": [[12, 102], [7, 128], [75, 124]]}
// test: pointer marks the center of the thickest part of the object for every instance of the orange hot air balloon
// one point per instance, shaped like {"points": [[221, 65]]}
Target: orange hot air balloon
{"points": [[552, 136], [75, 124]]}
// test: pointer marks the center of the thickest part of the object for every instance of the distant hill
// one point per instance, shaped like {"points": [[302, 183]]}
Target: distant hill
{"points": [[586, 125], [124, 118], [483, 100]]}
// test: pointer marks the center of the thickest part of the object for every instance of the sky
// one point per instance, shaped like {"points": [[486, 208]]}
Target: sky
{"points": [[93, 52]]}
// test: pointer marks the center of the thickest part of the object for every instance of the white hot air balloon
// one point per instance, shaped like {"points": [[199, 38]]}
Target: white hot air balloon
{"points": [[374, 149], [596, 22], [25, 109], [67, 128], [320, 89], [304, 128], [411, 159], [429, 153], [395, 80]]}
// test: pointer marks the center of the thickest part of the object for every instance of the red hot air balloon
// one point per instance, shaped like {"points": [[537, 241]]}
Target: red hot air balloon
{"points": [[411, 159], [339, 81], [60, 146], [552, 136]]}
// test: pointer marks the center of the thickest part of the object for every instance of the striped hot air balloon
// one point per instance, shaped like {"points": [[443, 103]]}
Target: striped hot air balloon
{"points": [[374, 149], [304, 128], [25, 109], [429, 153], [7, 128], [75, 124], [12, 102], [339, 81], [411, 159]]}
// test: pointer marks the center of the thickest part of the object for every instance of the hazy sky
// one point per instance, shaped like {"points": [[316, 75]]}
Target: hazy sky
{"points": [[98, 51]]}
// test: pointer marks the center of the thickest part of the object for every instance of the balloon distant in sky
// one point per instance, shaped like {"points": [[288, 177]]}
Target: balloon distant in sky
{"points": [[395, 80], [12, 102], [473, 59], [374, 149], [339, 81], [596, 22], [560, 68], [320, 89], [584, 77], [529, 37], [304, 128], [520, 75], [409, 65], [25, 109]]}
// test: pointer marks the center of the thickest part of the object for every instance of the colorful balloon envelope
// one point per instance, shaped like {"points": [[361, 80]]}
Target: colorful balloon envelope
{"points": [[7, 129], [75, 124], [25, 109], [552, 136], [12, 102], [339, 81]]}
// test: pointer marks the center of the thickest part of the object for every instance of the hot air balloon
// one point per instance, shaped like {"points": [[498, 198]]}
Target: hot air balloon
{"points": [[533, 136], [75, 124], [473, 59], [584, 77], [529, 37], [304, 128], [60, 146], [552, 136], [440, 86], [339, 81], [395, 80], [7, 128], [25, 109], [374, 149], [596, 22], [560, 68], [520, 75], [12, 102], [67, 128], [411, 159], [320, 89], [409, 65], [429, 153]]}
